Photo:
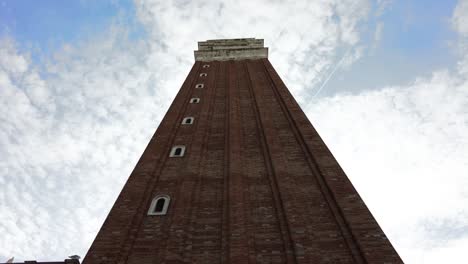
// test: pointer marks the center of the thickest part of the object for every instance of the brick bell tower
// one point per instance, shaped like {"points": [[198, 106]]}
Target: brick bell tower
{"points": [[236, 173]]}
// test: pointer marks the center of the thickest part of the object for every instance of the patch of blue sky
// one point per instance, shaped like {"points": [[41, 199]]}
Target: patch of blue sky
{"points": [[417, 39], [419, 27], [41, 27]]}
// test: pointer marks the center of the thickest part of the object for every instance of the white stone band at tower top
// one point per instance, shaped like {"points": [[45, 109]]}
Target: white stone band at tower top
{"points": [[230, 49]]}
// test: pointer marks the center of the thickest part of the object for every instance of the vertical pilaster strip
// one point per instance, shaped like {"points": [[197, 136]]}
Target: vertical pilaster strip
{"points": [[225, 227], [205, 185], [238, 242], [344, 228], [284, 223], [179, 237], [208, 99]]}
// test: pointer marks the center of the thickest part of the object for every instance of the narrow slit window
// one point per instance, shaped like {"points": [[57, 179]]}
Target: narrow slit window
{"points": [[195, 100], [159, 205], [203, 74], [199, 86], [177, 151], [187, 121], [206, 66]]}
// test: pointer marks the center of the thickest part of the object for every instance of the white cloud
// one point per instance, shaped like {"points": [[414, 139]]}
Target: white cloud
{"points": [[352, 56], [10, 60], [72, 132], [460, 24], [65, 137], [378, 33], [304, 45], [382, 6], [404, 149], [460, 18]]}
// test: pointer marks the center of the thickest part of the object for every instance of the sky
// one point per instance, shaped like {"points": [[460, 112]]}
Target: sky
{"points": [[84, 84]]}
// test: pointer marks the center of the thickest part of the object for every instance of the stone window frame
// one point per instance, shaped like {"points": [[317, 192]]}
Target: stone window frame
{"points": [[174, 150], [195, 100], [199, 86], [191, 118], [154, 203]]}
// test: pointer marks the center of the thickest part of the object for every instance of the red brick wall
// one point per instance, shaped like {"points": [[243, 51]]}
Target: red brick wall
{"points": [[256, 184]]}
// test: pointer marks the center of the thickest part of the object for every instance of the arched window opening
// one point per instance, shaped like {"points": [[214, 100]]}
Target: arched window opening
{"points": [[194, 100], [177, 151], [203, 74], [200, 85], [188, 121], [206, 66], [159, 205]]}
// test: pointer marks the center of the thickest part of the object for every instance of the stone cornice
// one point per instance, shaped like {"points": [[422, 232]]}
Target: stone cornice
{"points": [[230, 49]]}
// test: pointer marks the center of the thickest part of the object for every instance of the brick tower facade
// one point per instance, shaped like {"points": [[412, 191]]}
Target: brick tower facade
{"points": [[236, 173]]}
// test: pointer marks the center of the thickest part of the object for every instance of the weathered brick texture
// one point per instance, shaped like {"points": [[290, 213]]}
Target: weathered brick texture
{"points": [[256, 185]]}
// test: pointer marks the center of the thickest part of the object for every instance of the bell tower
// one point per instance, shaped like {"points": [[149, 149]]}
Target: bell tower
{"points": [[236, 173]]}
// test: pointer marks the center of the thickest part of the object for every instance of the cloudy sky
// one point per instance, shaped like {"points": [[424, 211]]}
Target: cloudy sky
{"points": [[84, 84]]}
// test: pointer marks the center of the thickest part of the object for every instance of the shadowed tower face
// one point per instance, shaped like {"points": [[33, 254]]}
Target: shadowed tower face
{"points": [[236, 173]]}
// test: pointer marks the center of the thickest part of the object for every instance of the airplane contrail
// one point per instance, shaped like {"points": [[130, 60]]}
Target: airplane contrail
{"points": [[331, 74]]}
